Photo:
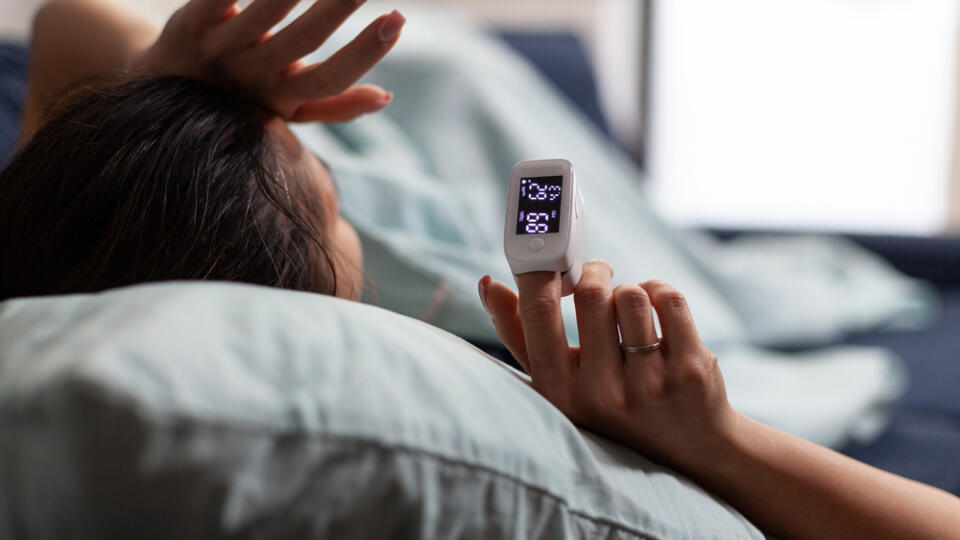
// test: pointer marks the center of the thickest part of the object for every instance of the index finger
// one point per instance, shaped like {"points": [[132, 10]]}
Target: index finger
{"points": [[251, 24], [308, 31], [337, 73], [551, 365], [345, 106]]}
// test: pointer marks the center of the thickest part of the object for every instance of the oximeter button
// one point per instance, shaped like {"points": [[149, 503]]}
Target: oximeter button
{"points": [[536, 244]]}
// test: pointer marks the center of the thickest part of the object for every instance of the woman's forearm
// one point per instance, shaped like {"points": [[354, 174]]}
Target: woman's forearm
{"points": [[793, 488], [75, 40]]}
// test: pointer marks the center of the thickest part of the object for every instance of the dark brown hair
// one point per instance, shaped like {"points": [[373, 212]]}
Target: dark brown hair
{"points": [[160, 179]]}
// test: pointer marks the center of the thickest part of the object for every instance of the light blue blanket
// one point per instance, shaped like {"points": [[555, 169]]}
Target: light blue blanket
{"points": [[425, 184]]}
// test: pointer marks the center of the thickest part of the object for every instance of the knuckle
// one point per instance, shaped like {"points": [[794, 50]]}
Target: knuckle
{"points": [[303, 42], [597, 405], [591, 295], [712, 361], [319, 85], [632, 299], [236, 69], [186, 22], [539, 308], [597, 399], [586, 409], [695, 374], [645, 394], [665, 295], [673, 300], [209, 49]]}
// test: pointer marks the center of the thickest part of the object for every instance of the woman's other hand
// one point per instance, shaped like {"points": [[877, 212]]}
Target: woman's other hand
{"points": [[216, 41], [668, 403]]}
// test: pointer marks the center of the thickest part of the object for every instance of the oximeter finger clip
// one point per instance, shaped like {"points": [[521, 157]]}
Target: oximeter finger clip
{"points": [[544, 221]]}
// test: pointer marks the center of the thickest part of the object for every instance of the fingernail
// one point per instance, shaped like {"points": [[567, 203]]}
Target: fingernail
{"points": [[390, 27], [386, 99], [482, 291]]}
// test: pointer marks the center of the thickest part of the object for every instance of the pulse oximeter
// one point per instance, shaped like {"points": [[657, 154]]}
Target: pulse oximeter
{"points": [[544, 225]]}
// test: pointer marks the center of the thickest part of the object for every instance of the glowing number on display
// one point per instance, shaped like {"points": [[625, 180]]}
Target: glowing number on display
{"points": [[533, 222], [539, 193], [544, 197]]}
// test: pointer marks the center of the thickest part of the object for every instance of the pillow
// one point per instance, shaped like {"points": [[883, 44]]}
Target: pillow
{"points": [[208, 409]]}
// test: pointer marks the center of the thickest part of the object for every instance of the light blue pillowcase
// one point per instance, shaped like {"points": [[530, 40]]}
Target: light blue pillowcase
{"points": [[206, 410]]}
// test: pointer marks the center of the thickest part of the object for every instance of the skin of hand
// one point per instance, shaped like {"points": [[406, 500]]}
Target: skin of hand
{"points": [[216, 41], [669, 403]]}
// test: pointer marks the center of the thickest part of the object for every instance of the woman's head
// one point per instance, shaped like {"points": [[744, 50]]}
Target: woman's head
{"points": [[169, 179]]}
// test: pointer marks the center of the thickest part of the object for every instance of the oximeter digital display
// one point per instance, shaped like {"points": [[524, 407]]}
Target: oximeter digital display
{"points": [[544, 222], [538, 209]]}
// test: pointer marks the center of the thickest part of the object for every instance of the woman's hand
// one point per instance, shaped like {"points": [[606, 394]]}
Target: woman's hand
{"points": [[215, 41], [668, 403]]}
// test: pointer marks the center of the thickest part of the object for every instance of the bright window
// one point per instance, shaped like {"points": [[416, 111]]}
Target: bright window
{"points": [[810, 114]]}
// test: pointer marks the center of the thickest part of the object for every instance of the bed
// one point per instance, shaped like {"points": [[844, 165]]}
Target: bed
{"points": [[923, 434]]}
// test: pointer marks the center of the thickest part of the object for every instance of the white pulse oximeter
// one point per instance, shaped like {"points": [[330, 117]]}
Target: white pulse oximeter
{"points": [[544, 225]]}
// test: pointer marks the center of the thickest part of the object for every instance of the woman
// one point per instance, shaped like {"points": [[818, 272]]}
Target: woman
{"points": [[189, 172]]}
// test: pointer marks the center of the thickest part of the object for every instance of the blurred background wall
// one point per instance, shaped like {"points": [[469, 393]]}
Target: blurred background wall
{"points": [[811, 114]]}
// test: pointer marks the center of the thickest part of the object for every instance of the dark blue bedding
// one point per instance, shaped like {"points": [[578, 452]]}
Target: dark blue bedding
{"points": [[561, 58], [13, 88], [923, 441]]}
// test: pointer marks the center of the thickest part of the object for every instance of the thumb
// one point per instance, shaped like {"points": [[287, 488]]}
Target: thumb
{"points": [[343, 107], [501, 303]]}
